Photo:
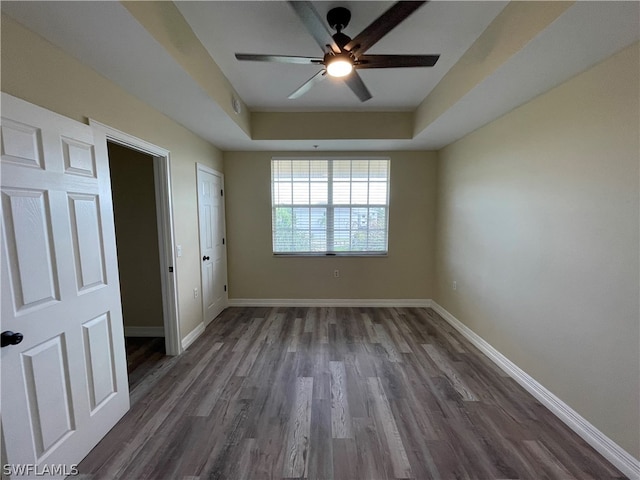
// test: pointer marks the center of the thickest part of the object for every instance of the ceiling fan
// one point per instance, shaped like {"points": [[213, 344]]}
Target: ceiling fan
{"points": [[343, 56]]}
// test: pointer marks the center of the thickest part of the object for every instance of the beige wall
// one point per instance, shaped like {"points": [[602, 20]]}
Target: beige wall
{"points": [[38, 72], [331, 125], [537, 222], [407, 272], [134, 209]]}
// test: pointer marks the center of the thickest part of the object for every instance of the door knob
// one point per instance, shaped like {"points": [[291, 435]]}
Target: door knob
{"points": [[205, 258], [10, 338]]}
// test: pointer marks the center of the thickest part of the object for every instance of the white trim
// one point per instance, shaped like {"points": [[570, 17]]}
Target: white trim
{"points": [[135, 143], [169, 281], [166, 240], [143, 331], [613, 452], [192, 336], [327, 302]]}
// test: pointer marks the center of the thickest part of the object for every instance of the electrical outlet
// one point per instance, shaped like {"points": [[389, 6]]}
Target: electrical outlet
{"points": [[195, 293], [336, 273], [454, 285]]}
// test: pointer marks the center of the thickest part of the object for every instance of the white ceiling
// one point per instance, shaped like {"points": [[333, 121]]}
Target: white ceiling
{"points": [[446, 28], [107, 38]]}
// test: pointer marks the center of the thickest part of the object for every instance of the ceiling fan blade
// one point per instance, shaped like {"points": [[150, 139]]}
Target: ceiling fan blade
{"points": [[306, 86], [396, 61], [315, 25], [358, 87], [381, 26], [279, 58]]}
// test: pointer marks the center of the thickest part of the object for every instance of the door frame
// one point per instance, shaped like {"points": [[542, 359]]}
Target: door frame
{"points": [[200, 167], [166, 240]]}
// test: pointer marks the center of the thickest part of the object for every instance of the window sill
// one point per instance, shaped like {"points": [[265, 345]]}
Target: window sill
{"points": [[333, 255]]}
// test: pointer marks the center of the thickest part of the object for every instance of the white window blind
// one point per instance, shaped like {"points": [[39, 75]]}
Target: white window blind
{"points": [[330, 206]]}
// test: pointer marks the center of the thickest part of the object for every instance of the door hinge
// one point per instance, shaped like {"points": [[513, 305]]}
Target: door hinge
{"points": [[225, 288], [170, 269], [223, 241], [221, 193]]}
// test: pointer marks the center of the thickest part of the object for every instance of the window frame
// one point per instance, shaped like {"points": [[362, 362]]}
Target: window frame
{"points": [[330, 206]]}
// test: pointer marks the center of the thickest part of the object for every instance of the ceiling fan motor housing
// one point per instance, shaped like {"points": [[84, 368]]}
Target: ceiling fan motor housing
{"points": [[338, 18]]}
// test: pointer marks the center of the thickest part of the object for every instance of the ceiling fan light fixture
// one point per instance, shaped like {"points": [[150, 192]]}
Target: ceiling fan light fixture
{"points": [[343, 54], [340, 67]]}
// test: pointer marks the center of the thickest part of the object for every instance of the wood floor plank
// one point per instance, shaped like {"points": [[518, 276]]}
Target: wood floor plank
{"points": [[458, 383], [321, 442], [321, 373], [248, 454], [399, 460], [224, 462], [295, 335], [148, 382], [357, 370], [371, 461], [552, 465], [330, 394], [392, 323], [310, 320], [297, 458], [372, 336], [322, 326], [387, 344], [340, 414], [248, 332], [418, 431], [345, 465], [256, 346]]}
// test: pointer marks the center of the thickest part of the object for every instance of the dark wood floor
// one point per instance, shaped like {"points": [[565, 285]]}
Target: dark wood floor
{"points": [[143, 356], [338, 393], [147, 363]]}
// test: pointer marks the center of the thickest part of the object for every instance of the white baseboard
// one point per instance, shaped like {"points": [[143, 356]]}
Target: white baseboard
{"points": [[619, 457], [192, 336], [143, 331], [328, 302]]}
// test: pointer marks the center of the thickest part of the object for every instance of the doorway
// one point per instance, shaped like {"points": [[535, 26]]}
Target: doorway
{"points": [[158, 249], [136, 226]]}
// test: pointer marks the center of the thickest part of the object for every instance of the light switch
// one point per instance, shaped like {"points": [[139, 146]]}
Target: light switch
{"points": [[179, 250]]}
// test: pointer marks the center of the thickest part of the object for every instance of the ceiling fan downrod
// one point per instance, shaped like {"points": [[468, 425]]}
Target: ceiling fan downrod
{"points": [[338, 18]]}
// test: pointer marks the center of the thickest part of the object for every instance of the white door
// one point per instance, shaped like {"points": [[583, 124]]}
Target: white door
{"points": [[65, 385], [212, 242]]}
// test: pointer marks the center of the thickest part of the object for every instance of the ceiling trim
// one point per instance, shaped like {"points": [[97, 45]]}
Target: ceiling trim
{"points": [[510, 31], [168, 27]]}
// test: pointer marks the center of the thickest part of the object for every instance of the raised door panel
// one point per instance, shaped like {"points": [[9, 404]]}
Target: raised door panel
{"points": [[208, 279], [88, 250], [79, 157], [51, 413], [219, 248], [28, 240], [98, 348], [21, 144], [208, 226]]}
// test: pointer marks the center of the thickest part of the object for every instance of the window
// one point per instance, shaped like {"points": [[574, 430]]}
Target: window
{"points": [[330, 206]]}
